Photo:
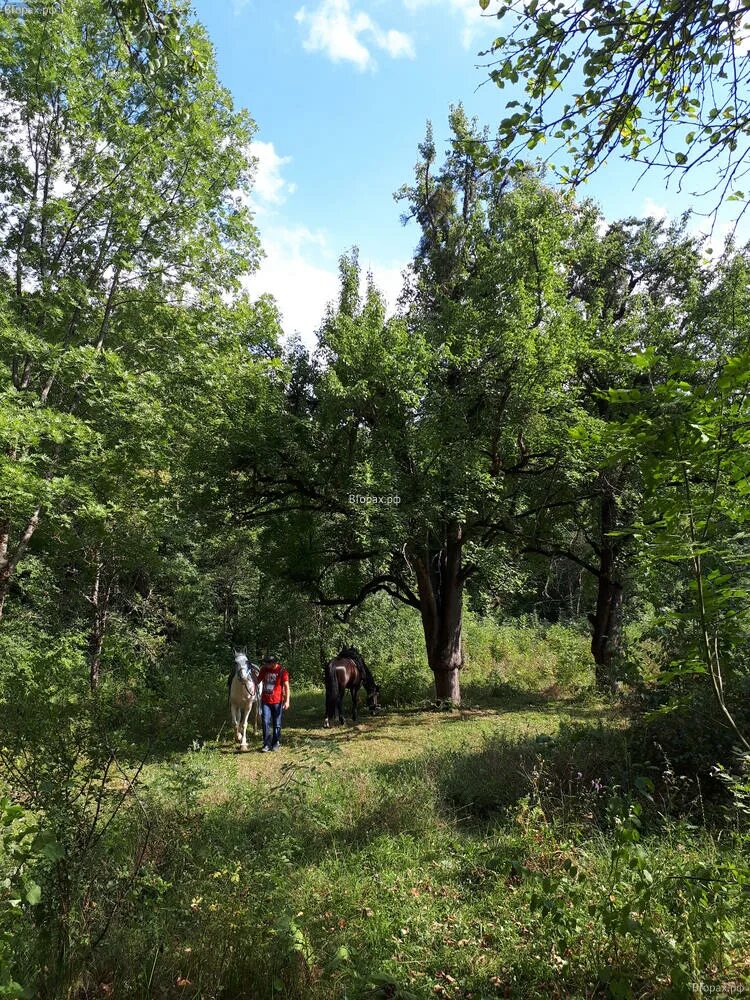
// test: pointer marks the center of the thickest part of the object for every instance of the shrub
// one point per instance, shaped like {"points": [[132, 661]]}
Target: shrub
{"points": [[404, 683], [21, 844], [525, 656]]}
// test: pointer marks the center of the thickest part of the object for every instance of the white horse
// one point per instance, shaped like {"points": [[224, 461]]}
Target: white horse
{"points": [[244, 695]]}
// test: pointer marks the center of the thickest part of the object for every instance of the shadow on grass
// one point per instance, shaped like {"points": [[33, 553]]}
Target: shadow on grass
{"points": [[166, 738], [285, 838], [259, 890]]}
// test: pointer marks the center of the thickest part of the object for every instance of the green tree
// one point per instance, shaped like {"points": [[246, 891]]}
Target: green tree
{"points": [[635, 286], [665, 83], [114, 205], [454, 410], [154, 30], [687, 427]]}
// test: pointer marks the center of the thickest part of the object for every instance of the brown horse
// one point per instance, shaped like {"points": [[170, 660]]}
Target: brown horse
{"points": [[348, 671]]}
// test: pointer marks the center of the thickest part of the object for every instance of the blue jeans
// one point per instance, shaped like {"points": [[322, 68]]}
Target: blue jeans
{"points": [[271, 715]]}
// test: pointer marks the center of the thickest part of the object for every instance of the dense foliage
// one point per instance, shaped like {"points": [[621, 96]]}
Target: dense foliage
{"points": [[663, 83], [533, 477]]}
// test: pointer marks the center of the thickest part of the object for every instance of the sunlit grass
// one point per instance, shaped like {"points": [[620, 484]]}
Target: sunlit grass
{"points": [[398, 858]]}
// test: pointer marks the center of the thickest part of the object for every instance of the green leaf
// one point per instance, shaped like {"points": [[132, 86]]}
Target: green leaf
{"points": [[645, 359], [33, 893]]}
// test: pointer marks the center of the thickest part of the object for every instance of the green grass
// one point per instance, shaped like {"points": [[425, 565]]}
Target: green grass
{"points": [[461, 854]]}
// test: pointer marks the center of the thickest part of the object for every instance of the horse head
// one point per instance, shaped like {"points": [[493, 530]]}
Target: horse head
{"points": [[372, 700], [241, 663], [371, 687]]}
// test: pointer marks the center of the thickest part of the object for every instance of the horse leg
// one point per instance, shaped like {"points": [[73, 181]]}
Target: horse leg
{"points": [[330, 709], [355, 695], [245, 717], [236, 721], [340, 705]]}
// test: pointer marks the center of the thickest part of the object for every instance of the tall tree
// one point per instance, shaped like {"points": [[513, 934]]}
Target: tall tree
{"points": [[453, 410], [635, 285], [120, 191], [688, 426]]}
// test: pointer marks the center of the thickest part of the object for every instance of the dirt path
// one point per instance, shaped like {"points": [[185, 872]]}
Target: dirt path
{"points": [[395, 736]]}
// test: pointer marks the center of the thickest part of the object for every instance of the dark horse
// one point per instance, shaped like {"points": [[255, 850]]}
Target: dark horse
{"points": [[348, 670]]}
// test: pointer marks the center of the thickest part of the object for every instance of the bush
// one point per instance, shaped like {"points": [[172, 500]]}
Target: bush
{"points": [[75, 787], [527, 656], [404, 683], [21, 844]]}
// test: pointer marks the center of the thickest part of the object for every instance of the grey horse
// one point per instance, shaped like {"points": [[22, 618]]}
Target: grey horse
{"points": [[244, 695]]}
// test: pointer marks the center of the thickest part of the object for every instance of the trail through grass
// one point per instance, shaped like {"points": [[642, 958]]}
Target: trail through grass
{"points": [[462, 854], [396, 736]]}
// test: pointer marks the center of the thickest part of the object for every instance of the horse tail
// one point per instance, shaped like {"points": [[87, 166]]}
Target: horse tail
{"points": [[332, 683]]}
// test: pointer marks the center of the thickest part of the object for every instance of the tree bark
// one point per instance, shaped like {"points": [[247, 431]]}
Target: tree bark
{"points": [[440, 584], [4, 578], [607, 618], [99, 600], [8, 558]]}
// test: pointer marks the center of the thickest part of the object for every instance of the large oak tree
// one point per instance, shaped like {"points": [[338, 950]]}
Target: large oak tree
{"points": [[457, 408]]}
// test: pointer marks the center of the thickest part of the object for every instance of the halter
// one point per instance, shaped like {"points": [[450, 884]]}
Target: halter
{"points": [[252, 681], [253, 677]]}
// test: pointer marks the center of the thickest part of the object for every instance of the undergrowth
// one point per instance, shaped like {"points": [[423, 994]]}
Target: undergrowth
{"points": [[464, 855]]}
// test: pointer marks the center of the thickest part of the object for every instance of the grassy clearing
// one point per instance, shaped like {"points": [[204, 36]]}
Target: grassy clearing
{"points": [[411, 856]]}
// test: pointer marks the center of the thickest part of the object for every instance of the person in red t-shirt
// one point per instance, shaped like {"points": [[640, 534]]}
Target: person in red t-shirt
{"points": [[274, 681]]}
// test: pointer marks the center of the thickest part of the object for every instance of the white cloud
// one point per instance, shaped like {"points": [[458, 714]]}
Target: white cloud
{"points": [[389, 282], [299, 267], [713, 236], [396, 44], [468, 10], [269, 186], [335, 29], [654, 210], [300, 272], [292, 272]]}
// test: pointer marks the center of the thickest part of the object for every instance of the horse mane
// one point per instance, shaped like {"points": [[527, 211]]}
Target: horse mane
{"points": [[352, 653], [369, 679]]}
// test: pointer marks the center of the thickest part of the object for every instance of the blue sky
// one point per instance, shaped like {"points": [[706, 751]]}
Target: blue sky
{"points": [[340, 91]]}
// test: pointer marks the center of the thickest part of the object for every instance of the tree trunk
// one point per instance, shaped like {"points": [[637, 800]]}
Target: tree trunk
{"points": [[440, 583], [447, 685], [8, 558], [96, 642], [99, 600], [607, 619]]}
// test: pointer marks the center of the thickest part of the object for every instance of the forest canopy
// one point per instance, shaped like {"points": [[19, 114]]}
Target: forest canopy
{"points": [[664, 84], [529, 479]]}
